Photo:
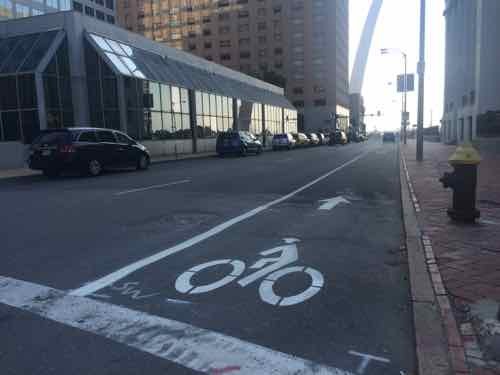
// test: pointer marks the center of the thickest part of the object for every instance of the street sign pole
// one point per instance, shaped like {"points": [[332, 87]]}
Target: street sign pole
{"points": [[421, 74], [404, 106]]}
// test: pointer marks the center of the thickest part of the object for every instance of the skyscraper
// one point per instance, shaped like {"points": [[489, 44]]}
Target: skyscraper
{"points": [[472, 75], [299, 44], [101, 9]]}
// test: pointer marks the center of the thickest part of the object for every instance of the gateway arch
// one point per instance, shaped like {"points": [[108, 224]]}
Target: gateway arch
{"points": [[359, 67]]}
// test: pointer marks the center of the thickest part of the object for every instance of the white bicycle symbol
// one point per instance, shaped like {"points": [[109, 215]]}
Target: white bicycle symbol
{"points": [[270, 269]]}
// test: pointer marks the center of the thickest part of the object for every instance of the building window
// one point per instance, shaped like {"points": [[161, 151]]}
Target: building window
{"points": [[78, 6], [245, 54], [22, 11], [207, 32], [243, 14], [298, 103], [214, 113], [278, 51], [224, 16], [261, 26], [207, 45], [298, 90], [244, 42], [261, 12], [225, 57], [110, 19], [225, 43], [89, 11], [244, 27], [224, 30], [320, 102], [110, 4]]}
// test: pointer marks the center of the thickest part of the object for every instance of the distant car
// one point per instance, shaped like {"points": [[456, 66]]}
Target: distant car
{"points": [[322, 139], [283, 141], [87, 150], [238, 143], [301, 139], [338, 138], [313, 139], [389, 137]]}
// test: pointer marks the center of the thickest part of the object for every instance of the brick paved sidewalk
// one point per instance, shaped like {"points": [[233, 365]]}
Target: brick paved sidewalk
{"points": [[467, 256]]}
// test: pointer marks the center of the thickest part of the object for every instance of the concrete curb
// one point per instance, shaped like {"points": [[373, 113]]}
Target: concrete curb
{"points": [[433, 356], [169, 159]]}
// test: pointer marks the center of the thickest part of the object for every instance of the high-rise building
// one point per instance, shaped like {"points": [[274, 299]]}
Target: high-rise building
{"points": [[104, 10], [472, 74], [299, 44]]}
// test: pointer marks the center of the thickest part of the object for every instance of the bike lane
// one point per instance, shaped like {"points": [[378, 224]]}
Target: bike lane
{"points": [[325, 284]]}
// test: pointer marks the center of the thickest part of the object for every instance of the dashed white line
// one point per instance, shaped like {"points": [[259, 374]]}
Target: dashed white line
{"points": [[113, 277], [187, 345], [152, 187]]}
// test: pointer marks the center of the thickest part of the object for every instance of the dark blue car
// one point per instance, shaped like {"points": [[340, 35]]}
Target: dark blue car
{"points": [[238, 143]]}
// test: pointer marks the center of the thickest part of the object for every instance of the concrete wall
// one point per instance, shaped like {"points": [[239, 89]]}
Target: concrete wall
{"points": [[12, 155], [169, 147]]}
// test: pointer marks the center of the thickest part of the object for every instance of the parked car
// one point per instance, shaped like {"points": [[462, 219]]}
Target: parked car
{"points": [[301, 139], [322, 139], [338, 138], [313, 139], [283, 141], [87, 150], [389, 137], [238, 143]]}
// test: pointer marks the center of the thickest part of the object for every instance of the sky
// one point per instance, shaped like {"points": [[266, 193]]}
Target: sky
{"points": [[398, 28]]}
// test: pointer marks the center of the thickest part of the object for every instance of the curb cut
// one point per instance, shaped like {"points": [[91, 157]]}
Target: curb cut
{"points": [[433, 354]]}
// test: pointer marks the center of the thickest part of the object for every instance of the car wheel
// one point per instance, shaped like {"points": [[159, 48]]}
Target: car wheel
{"points": [[94, 167], [243, 151], [143, 162], [51, 173]]}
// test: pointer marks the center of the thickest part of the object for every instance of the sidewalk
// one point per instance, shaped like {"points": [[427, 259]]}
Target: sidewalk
{"points": [[467, 257], [24, 172]]}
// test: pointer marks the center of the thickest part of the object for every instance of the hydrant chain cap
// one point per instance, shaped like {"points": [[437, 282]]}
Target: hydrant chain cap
{"points": [[465, 155]]}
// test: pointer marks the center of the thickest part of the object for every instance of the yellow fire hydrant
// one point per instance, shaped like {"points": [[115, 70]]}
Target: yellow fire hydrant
{"points": [[463, 181]]}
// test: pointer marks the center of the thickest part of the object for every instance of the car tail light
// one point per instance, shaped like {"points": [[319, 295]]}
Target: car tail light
{"points": [[66, 149]]}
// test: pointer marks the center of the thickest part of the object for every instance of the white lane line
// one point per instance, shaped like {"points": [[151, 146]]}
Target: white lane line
{"points": [[113, 277], [152, 187], [192, 347]]}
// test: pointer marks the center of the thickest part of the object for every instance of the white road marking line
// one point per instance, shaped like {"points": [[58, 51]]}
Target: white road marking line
{"points": [[367, 358], [152, 187], [192, 347], [113, 277]]}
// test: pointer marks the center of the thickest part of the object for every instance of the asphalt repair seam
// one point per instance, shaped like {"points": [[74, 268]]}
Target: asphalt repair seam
{"points": [[433, 354], [187, 345]]}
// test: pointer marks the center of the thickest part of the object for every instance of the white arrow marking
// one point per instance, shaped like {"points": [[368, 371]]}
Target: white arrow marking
{"points": [[331, 203]]}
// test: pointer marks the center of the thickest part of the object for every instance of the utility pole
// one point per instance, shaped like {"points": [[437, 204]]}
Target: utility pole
{"points": [[421, 75], [404, 119]]}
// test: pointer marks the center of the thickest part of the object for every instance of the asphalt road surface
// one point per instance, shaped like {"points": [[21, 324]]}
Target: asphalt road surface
{"points": [[284, 263]]}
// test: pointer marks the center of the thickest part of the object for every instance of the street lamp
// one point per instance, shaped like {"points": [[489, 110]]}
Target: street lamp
{"points": [[386, 51]]}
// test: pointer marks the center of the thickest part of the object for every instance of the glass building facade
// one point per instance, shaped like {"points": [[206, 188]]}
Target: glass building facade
{"points": [[107, 77], [103, 10]]}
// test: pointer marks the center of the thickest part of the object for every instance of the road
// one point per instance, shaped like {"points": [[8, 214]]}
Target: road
{"points": [[288, 262]]}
